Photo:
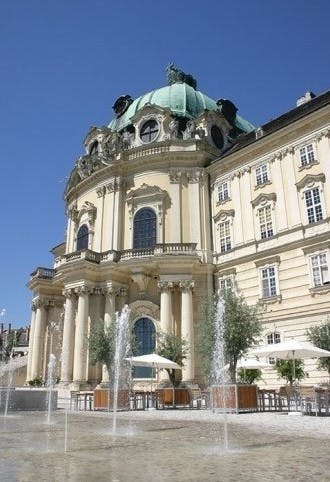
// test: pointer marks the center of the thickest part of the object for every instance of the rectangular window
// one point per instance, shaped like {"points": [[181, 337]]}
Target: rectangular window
{"points": [[225, 283], [262, 174], [271, 339], [307, 155], [313, 205], [223, 192], [265, 222], [225, 237], [268, 282], [320, 271]]}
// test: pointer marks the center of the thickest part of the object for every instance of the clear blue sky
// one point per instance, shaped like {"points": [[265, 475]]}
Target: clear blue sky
{"points": [[64, 62]]}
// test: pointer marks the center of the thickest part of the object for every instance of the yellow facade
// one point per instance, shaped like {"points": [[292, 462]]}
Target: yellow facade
{"points": [[225, 203]]}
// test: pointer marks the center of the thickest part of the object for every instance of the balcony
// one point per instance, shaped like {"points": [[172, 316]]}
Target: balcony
{"points": [[43, 273], [170, 249], [159, 250]]}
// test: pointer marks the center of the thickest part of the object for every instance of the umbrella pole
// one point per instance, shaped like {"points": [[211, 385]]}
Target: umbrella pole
{"points": [[293, 368], [294, 379]]}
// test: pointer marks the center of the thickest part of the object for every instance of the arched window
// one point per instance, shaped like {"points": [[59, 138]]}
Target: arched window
{"points": [[144, 228], [82, 238], [144, 342], [149, 131]]}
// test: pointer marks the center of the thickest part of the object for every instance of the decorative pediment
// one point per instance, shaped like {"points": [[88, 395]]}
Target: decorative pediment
{"points": [[88, 208], [309, 180], [150, 111], [224, 214], [146, 194], [263, 198]]}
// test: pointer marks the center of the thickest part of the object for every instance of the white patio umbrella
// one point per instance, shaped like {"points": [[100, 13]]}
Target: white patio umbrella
{"points": [[153, 360], [291, 350], [252, 364]]}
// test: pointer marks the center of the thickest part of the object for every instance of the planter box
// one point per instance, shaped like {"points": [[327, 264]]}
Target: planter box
{"points": [[101, 400], [27, 399], [169, 397], [235, 398]]}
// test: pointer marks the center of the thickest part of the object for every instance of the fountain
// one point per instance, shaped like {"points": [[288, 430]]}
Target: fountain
{"points": [[50, 385], [7, 373], [219, 370], [121, 351]]}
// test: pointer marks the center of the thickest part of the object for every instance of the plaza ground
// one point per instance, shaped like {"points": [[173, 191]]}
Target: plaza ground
{"points": [[163, 445]]}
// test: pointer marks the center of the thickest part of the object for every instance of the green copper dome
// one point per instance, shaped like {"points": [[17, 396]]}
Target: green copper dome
{"points": [[183, 101]]}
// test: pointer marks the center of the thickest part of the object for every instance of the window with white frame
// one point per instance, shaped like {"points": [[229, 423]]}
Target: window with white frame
{"points": [[268, 281], [265, 222], [226, 283], [319, 269], [307, 155], [225, 236], [262, 174], [273, 338], [313, 205], [223, 191]]}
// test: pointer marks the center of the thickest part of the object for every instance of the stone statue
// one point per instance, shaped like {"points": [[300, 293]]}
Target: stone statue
{"points": [[174, 129], [126, 140], [190, 131], [175, 75], [112, 144]]}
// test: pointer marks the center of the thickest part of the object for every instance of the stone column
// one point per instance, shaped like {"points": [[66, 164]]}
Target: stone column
{"points": [[80, 346], [187, 327], [38, 340], [166, 306], [31, 338], [68, 338], [109, 315]]}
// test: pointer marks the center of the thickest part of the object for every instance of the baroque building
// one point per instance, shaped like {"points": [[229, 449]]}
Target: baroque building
{"points": [[177, 197]]}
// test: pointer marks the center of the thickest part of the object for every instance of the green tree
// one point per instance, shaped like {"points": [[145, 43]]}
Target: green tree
{"points": [[242, 329], [320, 337], [291, 370], [174, 348], [8, 342], [249, 375], [102, 344]]}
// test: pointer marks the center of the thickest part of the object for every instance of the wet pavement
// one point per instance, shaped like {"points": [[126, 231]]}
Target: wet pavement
{"points": [[164, 445]]}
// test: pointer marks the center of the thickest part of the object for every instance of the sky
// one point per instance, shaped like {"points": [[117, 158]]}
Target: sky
{"points": [[63, 64]]}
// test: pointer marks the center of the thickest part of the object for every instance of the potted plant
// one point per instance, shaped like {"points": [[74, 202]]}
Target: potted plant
{"points": [[242, 328]]}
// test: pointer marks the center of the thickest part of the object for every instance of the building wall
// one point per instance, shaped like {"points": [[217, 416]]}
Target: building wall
{"points": [[298, 304]]}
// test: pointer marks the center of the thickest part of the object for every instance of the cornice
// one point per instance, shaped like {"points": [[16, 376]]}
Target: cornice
{"points": [[274, 146]]}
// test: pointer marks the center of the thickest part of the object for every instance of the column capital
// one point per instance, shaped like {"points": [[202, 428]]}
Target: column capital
{"points": [[42, 302], [68, 292], [165, 285], [83, 290], [186, 285]]}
